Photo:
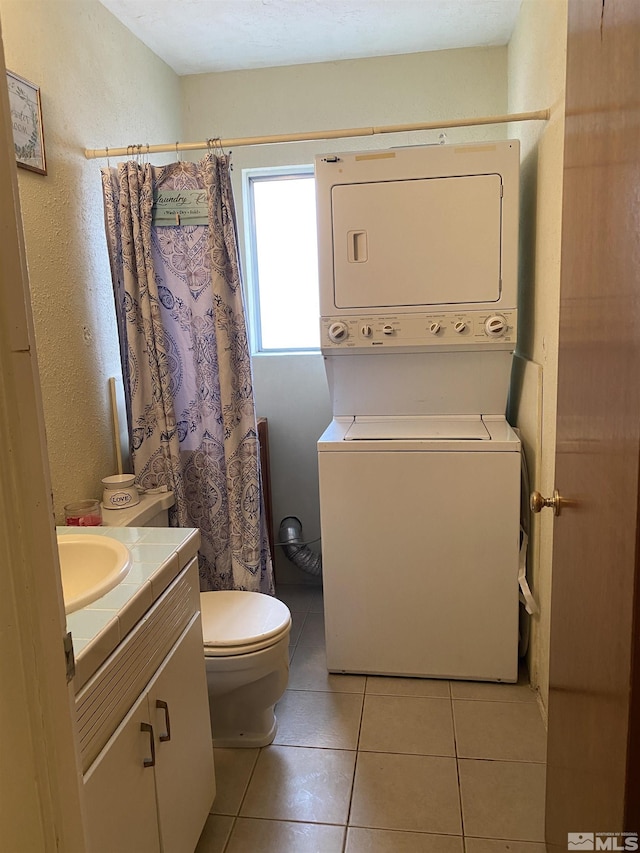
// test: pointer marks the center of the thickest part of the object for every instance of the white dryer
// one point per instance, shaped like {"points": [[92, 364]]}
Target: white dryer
{"points": [[419, 470]]}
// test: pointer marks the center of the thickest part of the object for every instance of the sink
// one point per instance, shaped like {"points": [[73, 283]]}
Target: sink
{"points": [[90, 567]]}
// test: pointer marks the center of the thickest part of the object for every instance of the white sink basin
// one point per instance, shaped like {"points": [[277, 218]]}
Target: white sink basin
{"points": [[90, 566]]}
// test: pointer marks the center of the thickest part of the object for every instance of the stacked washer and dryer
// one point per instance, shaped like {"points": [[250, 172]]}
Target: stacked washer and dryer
{"points": [[419, 469]]}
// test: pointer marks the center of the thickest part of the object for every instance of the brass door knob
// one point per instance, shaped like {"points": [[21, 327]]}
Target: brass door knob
{"points": [[538, 502]]}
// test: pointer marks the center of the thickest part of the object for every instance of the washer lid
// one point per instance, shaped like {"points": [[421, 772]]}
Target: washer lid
{"points": [[365, 428], [237, 618]]}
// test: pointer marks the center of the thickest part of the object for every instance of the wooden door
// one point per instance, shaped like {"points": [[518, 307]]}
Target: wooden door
{"points": [[592, 781], [40, 791]]}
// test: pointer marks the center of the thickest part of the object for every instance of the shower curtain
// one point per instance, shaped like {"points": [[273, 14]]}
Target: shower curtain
{"points": [[186, 364]]}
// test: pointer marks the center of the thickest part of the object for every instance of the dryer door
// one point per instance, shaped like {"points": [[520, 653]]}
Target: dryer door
{"points": [[422, 242]]}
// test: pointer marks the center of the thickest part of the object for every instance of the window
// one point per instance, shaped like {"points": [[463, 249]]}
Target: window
{"points": [[282, 273]]}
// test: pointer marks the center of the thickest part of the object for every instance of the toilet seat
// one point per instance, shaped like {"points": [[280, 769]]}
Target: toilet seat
{"points": [[235, 622]]}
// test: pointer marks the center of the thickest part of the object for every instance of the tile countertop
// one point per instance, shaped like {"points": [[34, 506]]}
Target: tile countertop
{"points": [[158, 555]]}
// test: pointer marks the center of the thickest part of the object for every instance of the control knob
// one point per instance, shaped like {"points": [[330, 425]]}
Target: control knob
{"points": [[434, 328], [366, 331], [338, 332], [387, 329], [459, 326], [495, 326]]}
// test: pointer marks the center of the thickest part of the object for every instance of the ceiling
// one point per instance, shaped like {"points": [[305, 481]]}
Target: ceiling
{"points": [[200, 36]]}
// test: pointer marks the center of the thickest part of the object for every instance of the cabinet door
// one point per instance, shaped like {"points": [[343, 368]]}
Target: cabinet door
{"points": [[179, 705], [119, 791]]}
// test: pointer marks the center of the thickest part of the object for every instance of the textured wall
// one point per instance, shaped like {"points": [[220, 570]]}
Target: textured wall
{"points": [[291, 390], [99, 86], [537, 58]]}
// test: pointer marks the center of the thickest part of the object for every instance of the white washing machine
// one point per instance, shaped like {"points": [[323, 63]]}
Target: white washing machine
{"points": [[420, 543], [419, 470]]}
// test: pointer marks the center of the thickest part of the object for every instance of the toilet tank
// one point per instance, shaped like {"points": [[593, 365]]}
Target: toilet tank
{"points": [[151, 511]]}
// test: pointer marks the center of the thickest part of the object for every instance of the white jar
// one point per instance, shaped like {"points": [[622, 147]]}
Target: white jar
{"points": [[119, 491]]}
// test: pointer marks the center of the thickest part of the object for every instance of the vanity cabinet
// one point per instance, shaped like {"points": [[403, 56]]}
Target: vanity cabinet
{"points": [[151, 786], [120, 793]]}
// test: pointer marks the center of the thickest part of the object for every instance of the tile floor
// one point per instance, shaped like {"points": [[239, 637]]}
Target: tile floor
{"points": [[382, 765]]}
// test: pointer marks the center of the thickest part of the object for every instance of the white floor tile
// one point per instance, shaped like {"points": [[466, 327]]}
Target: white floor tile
{"points": [[389, 841], [432, 688], [273, 836], [502, 799], [299, 597], [507, 731], [491, 845], [233, 769], [417, 793], [299, 784], [312, 633], [319, 719], [214, 836], [407, 724], [492, 691], [308, 671], [297, 621]]}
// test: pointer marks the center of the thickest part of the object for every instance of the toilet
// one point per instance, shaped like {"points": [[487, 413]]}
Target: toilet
{"points": [[246, 652], [246, 646]]}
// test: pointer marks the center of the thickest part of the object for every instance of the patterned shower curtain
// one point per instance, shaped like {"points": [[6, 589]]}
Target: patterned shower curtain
{"points": [[186, 364]]}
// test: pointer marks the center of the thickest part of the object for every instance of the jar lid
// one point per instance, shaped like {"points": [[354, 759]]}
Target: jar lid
{"points": [[118, 481]]}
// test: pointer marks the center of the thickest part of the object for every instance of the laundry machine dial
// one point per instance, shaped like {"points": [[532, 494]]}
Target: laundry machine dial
{"points": [[434, 328], [338, 332], [495, 326], [366, 331], [459, 327]]}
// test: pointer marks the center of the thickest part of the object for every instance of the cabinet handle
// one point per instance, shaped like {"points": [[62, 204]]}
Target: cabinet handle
{"points": [[147, 727], [167, 721]]}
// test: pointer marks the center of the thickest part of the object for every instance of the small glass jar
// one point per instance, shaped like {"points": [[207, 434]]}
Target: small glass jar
{"points": [[83, 514]]}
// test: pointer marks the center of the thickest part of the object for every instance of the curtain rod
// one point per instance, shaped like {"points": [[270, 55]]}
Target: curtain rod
{"points": [[131, 150]]}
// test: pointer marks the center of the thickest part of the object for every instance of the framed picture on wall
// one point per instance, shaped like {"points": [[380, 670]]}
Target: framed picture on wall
{"points": [[26, 120]]}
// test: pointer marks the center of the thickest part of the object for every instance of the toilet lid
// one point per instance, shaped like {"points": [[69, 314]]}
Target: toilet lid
{"points": [[233, 619]]}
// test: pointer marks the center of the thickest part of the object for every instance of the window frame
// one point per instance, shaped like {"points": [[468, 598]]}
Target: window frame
{"points": [[249, 178]]}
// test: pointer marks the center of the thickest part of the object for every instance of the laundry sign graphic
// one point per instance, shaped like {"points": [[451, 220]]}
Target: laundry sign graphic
{"points": [[180, 207]]}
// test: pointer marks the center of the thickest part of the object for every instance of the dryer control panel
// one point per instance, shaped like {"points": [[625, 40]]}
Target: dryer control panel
{"points": [[470, 330]]}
